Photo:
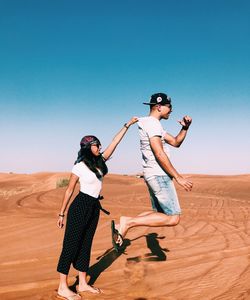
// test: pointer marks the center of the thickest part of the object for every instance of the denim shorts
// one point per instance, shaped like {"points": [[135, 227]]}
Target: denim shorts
{"points": [[163, 194]]}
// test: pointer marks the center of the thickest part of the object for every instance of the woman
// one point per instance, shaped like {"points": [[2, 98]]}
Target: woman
{"points": [[83, 213]]}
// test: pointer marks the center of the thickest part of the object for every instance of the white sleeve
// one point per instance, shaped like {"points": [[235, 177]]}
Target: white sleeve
{"points": [[76, 170], [153, 128]]}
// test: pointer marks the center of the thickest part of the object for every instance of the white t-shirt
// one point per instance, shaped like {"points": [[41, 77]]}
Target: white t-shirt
{"points": [[89, 183], [149, 127]]}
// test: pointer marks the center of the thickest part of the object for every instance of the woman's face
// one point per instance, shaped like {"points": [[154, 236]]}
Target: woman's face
{"points": [[95, 149]]}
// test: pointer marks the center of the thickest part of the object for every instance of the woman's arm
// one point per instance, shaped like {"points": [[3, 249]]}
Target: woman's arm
{"points": [[67, 195], [116, 140]]}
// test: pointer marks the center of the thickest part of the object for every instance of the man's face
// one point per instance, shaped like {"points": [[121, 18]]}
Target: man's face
{"points": [[166, 111]]}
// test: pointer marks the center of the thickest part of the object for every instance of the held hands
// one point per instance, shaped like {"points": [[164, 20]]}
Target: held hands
{"points": [[132, 121], [185, 122], [60, 222]]}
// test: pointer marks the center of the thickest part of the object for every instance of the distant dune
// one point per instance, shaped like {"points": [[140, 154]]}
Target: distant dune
{"points": [[207, 256]]}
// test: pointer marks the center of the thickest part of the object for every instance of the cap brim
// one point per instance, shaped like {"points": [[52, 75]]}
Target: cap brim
{"points": [[148, 103]]}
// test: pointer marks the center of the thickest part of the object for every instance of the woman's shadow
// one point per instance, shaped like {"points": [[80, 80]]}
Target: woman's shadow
{"points": [[109, 256], [104, 261]]}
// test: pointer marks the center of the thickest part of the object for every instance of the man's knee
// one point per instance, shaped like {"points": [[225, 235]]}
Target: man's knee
{"points": [[174, 220]]}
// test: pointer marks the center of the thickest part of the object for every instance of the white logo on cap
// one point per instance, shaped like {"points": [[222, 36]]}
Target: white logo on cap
{"points": [[159, 99]]}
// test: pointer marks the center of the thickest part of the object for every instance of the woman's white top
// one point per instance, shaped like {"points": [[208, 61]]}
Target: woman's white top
{"points": [[89, 183]]}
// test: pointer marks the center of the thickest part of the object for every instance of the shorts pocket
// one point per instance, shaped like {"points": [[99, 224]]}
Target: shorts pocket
{"points": [[154, 185]]}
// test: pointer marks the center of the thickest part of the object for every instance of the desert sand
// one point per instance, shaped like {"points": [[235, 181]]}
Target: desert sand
{"points": [[207, 256]]}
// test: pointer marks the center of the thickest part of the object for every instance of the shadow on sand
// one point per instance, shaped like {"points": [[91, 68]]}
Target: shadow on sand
{"points": [[109, 256], [157, 252], [104, 261]]}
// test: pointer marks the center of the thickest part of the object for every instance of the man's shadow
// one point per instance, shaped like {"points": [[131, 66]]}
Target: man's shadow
{"points": [[157, 252], [105, 260]]}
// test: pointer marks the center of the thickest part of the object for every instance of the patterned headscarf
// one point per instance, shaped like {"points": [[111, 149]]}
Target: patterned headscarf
{"points": [[85, 144], [89, 140]]}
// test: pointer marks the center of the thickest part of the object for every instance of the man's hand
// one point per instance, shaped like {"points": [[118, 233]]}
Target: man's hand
{"points": [[186, 121], [186, 184]]}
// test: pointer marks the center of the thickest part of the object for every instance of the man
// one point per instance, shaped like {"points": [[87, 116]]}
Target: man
{"points": [[158, 170]]}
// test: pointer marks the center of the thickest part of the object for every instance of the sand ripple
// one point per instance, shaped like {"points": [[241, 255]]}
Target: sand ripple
{"points": [[207, 256]]}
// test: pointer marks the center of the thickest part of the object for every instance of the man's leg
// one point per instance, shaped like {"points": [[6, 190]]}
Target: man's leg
{"points": [[164, 202], [152, 219]]}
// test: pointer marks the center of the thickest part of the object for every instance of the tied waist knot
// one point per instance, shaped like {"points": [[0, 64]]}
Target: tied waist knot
{"points": [[100, 206]]}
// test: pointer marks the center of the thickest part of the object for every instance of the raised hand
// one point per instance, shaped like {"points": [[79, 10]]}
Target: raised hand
{"points": [[132, 121], [186, 121]]}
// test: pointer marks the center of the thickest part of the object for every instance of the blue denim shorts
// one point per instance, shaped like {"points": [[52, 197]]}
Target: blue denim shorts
{"points": [[163, 194]]}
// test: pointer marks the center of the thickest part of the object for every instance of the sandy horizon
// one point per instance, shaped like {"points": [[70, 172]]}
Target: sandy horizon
{"points": [[205, 257]]}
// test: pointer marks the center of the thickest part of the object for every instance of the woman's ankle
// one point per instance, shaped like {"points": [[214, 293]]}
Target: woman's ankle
{"points": [[63, 285], [62, 289]]}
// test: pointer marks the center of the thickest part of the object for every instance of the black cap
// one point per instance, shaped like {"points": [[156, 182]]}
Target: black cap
{"points": [[159, 98]]}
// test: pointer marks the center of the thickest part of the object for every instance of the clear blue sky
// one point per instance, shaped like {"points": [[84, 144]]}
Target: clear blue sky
{"points": [[75, 67]]}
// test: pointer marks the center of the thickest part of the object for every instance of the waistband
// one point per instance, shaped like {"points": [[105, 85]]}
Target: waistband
{"points": [[88, 196], [96, 200]]}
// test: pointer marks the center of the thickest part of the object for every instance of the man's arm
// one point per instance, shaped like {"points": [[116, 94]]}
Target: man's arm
{"points": [[165, 163], [177, 140]]}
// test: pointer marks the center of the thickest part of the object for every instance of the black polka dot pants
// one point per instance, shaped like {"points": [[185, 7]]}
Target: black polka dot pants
{"points": [[82, 220]]}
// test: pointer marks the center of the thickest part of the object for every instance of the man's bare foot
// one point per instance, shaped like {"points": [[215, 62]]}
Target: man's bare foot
{"points": [[123, 228]]}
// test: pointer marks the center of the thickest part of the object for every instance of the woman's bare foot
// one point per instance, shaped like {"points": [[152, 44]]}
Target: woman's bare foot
{"points": [[66, 292], [88, 288]]}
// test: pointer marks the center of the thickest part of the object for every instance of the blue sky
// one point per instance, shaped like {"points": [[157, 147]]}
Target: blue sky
{"points": [[71, 68]]}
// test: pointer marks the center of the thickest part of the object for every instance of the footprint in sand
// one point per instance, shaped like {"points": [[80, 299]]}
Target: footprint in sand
{"points": [[135, 272]]}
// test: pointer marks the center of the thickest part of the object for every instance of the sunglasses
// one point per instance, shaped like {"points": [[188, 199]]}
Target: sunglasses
{"points": [[169, 106], [95, 144]]}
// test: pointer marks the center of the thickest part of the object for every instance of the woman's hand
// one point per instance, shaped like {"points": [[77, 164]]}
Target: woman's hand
{"points": [[60, 222], [116, 140], [132, 121]]}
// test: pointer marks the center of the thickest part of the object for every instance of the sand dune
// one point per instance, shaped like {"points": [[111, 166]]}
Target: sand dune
{"points": [[207, 256]]}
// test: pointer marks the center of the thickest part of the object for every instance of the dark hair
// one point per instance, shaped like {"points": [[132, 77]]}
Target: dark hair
{"points": [[94, 163]]}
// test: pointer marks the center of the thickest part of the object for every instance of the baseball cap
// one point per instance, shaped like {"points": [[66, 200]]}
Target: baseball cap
{"points": [[159, 98], [89, 140]]}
